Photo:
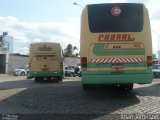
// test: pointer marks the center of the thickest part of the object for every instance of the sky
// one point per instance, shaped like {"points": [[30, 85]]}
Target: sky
{"points": [[30, 21]]}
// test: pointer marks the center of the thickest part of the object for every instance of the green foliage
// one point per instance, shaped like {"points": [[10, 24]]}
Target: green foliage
{"points": [[69, 51], [154, 56]]}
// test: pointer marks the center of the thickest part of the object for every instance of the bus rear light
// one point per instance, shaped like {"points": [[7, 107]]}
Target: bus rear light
{"points": [[149, 60], [83, 63]]}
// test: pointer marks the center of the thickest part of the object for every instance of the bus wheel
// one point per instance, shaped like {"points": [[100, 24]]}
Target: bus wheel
{"points": [[48, 78], [126, 87], [38, 79], [60, 78], [86, 87]]}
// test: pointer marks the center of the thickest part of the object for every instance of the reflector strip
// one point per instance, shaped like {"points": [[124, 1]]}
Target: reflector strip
{"points": [[116, 60]]}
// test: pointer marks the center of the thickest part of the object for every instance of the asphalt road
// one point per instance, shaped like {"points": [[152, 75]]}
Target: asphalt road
{"points": [[25, 99]]}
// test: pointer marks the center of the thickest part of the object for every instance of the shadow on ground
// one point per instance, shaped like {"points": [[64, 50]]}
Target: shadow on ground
{"points": [[153, 90], [67, 100], [64, 100]]}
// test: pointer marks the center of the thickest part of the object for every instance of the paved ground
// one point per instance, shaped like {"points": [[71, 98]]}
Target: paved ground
{"points": [[67, 100], [9, 77]]}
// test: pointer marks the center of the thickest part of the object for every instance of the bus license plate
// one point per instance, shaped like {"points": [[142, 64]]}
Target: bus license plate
{"points": [[117, 66], [45, 69]]}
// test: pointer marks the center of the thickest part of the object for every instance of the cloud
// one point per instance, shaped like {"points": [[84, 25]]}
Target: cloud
{"points": [[118, 1], [155, 14], [25, 33], [129, 1], [155, 25], [66, 32], [137, 1]]}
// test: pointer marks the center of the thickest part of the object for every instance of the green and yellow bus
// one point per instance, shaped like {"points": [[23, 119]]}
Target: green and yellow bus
{"points": [[115, 45], [45, 61]]}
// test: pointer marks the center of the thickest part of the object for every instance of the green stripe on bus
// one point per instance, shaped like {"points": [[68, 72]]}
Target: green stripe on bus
{"points": [[105, 72], [45, 74], [99, 50], [108, 65], [142, 78]]}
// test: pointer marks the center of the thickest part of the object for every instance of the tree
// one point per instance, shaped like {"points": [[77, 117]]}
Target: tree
{"points": [[69, 51], [154, 56]]}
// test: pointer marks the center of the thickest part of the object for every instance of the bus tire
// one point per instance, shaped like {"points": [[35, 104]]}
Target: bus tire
{"points": [[57, 79], [60, 78], [126, 87], [38, 79], [130, 87], [48, 78]]}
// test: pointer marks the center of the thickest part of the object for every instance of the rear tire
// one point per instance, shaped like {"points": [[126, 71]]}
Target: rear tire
{"points": [[48, 78], [60, 78], [126, 87], [36, 79], [39, 79]]}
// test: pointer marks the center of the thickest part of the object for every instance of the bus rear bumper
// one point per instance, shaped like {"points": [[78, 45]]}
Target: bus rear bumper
{"points": [[33, 74], [117, 79]]}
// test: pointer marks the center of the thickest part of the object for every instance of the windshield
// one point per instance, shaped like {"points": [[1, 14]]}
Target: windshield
{"points": [[21, 67], [156, 66], [129, 19]]}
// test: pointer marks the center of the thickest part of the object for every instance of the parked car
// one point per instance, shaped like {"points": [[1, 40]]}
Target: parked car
{"points": [[73, 71], [78, 71], [156, 70], [22, 71], [69, 72]]}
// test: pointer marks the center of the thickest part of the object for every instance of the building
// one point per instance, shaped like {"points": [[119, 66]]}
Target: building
{"points": [[16, 60], [7, 42], [71, 61], [6, 46], [4, 60]]}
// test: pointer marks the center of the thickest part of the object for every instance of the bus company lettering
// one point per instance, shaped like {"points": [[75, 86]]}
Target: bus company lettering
{"points": [[44, 48], [115, 37]]}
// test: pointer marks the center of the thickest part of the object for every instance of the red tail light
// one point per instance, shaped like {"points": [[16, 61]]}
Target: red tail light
{"points": [[83, 63], [149, 60]]}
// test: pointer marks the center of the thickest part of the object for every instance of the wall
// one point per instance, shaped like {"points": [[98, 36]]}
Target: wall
{"points": [[4, 62], [71, 61], [16, 61]]}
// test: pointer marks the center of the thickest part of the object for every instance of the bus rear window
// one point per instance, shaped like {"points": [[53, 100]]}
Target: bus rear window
{"points": [[101, 19]]}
